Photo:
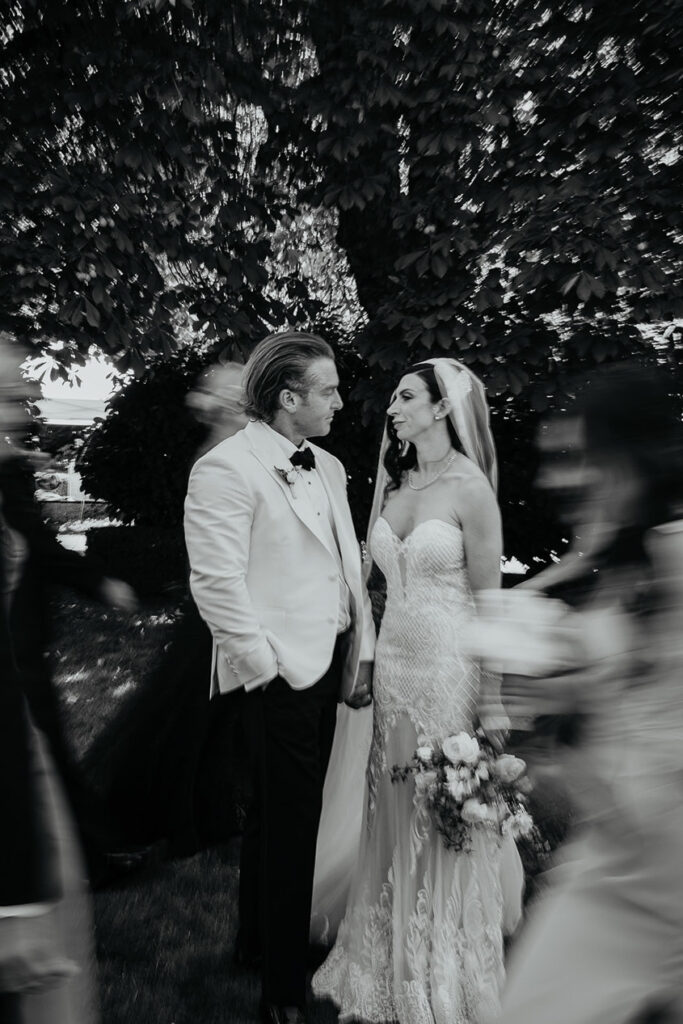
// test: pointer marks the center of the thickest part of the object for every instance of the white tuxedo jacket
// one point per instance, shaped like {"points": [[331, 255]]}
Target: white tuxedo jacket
{"points": [[263, 577]]}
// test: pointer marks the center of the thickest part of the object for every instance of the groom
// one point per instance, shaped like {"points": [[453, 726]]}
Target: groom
{"points": [[276, 574]]}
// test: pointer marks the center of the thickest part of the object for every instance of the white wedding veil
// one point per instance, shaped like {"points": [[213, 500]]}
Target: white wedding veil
{"points": [[469, 414]]}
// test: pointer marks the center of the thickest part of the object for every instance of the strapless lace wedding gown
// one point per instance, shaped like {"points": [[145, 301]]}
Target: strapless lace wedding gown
{"points": [[421, 940]]}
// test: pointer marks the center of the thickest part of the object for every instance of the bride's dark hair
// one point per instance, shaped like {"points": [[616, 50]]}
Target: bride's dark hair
{"points": [[400, 457]]}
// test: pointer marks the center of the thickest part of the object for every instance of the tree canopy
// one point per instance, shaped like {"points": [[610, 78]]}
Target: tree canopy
{"points": [[129, 194], [506, 176], [496, 180]]}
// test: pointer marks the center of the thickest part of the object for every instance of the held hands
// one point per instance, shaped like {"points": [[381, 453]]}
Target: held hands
{"points": [[362, 691]]}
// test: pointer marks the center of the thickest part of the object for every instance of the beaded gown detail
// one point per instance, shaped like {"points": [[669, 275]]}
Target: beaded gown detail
{"points": [[422, 938]]}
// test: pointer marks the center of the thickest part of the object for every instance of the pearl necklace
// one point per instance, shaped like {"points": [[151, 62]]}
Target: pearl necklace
{"points": [[433, 479]]}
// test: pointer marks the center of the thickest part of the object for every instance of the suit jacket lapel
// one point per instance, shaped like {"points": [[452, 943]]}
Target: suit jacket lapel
{"points": [[343, 525]]}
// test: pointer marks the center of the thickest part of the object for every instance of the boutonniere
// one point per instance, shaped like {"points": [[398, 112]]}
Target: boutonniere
{"points": [[288, 475]]}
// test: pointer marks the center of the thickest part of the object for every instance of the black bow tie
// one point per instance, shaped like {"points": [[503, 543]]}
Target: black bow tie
{"points": [[303, 457]]}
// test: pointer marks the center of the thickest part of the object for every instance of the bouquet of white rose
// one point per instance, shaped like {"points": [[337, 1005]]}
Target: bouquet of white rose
{"points": [[465, 785]]}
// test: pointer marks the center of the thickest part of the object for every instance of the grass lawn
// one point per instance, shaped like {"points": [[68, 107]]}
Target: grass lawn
{"points": [[164, 945], [165, 938]]}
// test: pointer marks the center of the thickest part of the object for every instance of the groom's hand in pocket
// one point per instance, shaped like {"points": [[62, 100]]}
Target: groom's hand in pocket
{"points": [[362, 691], [30, 960]]}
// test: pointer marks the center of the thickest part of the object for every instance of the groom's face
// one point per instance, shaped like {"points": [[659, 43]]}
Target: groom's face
{"points": [[317, 404]]}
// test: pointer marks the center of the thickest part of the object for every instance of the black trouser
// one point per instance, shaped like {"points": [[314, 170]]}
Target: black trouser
{"points": [[290, 735]]}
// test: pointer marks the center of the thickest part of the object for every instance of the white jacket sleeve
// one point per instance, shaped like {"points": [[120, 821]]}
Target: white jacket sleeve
{"points": [[367, 646], [368, 636], [219, 512]]}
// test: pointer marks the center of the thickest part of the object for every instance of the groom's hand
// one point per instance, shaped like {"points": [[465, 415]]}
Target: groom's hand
{"points": [[362, 691]]}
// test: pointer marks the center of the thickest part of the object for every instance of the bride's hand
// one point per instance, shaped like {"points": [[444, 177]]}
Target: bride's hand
{"points": [[495, 725], [361, 696]]}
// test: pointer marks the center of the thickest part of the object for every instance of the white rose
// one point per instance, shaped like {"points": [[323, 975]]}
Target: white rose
{"points": [[425, 754], [521, 824], [473, 811], [508, 767], [467, 781], [456, 787], [482, 772], [461, 748], [524, 785]]}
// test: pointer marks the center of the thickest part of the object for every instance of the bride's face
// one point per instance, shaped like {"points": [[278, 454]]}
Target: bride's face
{"points": [[412, 410]]}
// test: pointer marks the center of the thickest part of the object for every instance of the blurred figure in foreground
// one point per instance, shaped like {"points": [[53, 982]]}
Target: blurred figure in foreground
{"points": [[216, 402], [45, 929], [152, 765], [605, 944], [36, 562]]}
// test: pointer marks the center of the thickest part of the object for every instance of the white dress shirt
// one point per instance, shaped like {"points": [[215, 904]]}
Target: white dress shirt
{"points": [[309, 487]]}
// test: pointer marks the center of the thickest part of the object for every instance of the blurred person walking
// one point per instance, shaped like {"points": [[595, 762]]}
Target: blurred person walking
{"points": [[605, 944], [36, 562], [46, 959]]}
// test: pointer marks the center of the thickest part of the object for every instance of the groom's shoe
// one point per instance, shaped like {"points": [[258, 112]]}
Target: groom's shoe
{"points": [[273, 1014]]}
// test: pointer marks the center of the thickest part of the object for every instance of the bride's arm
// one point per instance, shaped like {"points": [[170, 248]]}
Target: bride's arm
{"points": [[482, 533]]}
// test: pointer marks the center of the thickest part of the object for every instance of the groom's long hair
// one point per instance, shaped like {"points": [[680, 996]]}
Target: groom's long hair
{"points": [[279, 362]]}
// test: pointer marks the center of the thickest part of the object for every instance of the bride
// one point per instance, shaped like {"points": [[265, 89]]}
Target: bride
{"points": [[422, 937]]}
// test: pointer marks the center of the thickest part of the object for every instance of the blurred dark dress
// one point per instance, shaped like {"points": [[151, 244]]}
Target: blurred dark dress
{"points": [[168, 765], [38, 562], [45, 563], [40, 862]]}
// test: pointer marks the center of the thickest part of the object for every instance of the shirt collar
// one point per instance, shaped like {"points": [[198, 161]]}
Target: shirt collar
{"points": [[287, 446]]}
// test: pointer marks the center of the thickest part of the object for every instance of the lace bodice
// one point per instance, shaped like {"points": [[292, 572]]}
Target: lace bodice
{"points": [[421, 666]]}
